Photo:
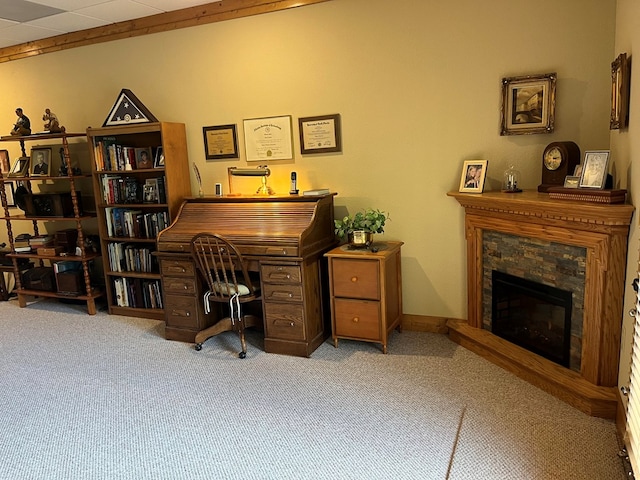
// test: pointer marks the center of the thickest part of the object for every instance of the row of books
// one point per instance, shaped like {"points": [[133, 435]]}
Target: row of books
{"points": [[126, 222], [26, 243], [119, 190], [109, 155], [127, 257], [137, 293]]}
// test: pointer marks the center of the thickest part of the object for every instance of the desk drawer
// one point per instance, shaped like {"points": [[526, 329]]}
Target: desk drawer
{"points": [[282, 293], [281, 274], [357, 319], [181, 311], [184, 286], [177, 267], [356, 278], [284, 321]]}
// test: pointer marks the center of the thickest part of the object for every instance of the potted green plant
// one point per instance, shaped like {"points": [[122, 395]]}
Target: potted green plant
{"points": [[358, 229]]}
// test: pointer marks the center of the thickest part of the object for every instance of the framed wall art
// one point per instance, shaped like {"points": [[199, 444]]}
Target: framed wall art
{"points": [[619, 92], [594, 169], [40, 161], [220, 142], [268, 138], [473, 176], [320, 134], [528, 104]]}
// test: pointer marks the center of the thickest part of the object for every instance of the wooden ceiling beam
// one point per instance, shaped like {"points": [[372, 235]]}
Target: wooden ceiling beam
{"points": [[163, 22]]}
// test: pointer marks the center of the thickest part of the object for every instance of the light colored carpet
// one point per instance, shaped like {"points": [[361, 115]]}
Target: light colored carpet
{"points": [[107, 397]]}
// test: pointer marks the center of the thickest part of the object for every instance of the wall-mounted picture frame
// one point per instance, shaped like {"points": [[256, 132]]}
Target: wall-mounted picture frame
{"points": [[474, 173], [320, 134], [220, 142], [619, 93], [528, 104], [20, 168], [594, 169], [9, 191], [41, 161], [268, 138]]}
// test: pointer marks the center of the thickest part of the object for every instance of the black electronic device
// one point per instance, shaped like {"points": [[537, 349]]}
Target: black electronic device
{"points": [[50, 205], [294, 184]]}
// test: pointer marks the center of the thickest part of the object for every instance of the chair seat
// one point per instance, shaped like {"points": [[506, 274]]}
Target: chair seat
{"points": [[228, 289]]}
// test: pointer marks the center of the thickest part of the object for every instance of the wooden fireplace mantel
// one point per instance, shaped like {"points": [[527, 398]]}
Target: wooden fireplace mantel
{"points": [[602, 229]]}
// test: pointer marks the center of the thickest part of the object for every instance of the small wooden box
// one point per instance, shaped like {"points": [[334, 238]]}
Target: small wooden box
{"points": [[49, 251]]}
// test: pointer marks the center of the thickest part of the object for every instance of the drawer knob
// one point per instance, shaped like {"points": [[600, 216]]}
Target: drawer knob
{"points": [[354, 279], [291, 324], [183, 270], [290, 295], [188, 314], [356, 319], [185, 287]]}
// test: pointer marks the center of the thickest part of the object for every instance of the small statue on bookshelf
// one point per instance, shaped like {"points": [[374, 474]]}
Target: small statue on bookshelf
{"points": [[22, 125], [51, 121]]}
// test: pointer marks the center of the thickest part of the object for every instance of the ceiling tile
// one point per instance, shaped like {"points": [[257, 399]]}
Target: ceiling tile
{"points": [[119, 10], [69, 22], [23, 11]]}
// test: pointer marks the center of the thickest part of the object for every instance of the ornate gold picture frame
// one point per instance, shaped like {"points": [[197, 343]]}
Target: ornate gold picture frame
{"points": [[528, 104]]}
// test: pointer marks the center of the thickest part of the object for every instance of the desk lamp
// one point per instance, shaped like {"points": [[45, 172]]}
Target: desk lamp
{"points": [[261, 171]]}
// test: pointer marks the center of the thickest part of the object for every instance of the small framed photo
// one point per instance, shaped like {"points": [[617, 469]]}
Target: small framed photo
{"points": [[619, 92], [158, 160], [10, 191], [571, 181], [151, 191], [143, 157], [220, 142], [528, 104], [474, 173], [40, 161], [20, 168], [320, 134], [4, 162], [594, 169]]}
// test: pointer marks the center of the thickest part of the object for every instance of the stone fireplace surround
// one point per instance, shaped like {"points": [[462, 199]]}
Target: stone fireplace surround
{"points": [[602, 230]]}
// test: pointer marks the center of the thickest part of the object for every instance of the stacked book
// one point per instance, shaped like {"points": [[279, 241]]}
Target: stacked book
{"points": [[21, 245]]}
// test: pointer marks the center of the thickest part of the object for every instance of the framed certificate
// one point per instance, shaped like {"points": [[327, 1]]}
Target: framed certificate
{"points": [[320, 134], [220, 142], [268, 138]]}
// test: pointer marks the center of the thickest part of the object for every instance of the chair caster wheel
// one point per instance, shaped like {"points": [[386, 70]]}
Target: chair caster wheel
{"points": [[242, 354], [198, 347]]}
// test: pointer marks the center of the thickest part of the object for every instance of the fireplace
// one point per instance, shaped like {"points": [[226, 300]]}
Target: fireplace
{"points": [[579, 247], [532, 315]]}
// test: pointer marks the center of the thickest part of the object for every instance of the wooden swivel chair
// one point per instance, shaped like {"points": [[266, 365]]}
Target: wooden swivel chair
{"points": [[227, 276]]}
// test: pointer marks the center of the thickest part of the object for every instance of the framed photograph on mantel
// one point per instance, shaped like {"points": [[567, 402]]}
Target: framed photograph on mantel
{"points": [[474, 173], [220, 142], [594, 169], [528, 104], [320, 134]]}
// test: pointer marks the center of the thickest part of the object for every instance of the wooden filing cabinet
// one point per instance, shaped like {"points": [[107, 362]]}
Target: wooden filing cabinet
{"points": [[366, 292]]}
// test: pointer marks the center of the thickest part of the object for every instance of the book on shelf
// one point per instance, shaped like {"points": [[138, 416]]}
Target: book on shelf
{"points": [[316, 191]]}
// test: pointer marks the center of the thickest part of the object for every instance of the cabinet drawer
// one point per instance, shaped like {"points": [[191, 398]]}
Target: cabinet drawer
{"points": [[356, 278], [281, 274], [284, 321], [283, 293], [179, 285], [181, 311], [357, 319], [177, 267]]}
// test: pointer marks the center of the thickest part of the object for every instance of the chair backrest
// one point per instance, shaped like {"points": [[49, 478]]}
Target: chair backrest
{"points": [[223, 268]]}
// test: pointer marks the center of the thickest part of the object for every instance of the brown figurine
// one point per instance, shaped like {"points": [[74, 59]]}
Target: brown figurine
{"points": [[51, 121], [22, 125]]}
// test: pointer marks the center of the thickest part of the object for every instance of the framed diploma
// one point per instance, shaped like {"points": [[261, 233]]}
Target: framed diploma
{"points": [[320, 134], [268, 138], [220, 142]]}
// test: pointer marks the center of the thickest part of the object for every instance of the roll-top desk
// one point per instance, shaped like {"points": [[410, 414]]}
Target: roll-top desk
{"points": [[283, 238]]}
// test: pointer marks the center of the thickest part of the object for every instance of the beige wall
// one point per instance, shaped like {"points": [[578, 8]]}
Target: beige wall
{"points": [[417, 85], [625, 146]]}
